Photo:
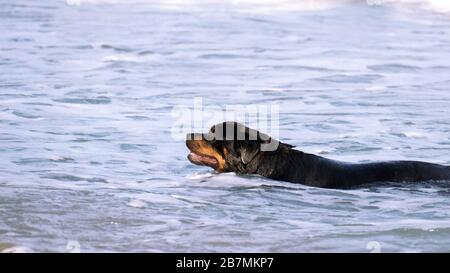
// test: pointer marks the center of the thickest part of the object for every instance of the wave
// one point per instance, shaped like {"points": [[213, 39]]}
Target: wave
{"points": [[244, 5], [441, 6]]}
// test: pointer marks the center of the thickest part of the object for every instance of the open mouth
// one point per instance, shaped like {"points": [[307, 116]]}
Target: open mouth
{"points": [[205, 160]]}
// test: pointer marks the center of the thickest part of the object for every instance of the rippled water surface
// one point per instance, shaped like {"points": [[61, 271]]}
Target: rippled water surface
{"points": [[87, 156]]}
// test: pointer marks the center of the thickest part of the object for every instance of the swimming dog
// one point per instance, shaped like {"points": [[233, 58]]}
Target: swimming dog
{"points": [[233, 147]]}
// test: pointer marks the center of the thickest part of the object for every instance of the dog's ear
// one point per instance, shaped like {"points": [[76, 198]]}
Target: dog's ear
{"points": [[247, 156], [248, 152]]}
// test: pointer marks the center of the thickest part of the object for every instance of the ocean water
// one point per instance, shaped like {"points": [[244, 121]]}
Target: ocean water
{"points": [[87, 89]]}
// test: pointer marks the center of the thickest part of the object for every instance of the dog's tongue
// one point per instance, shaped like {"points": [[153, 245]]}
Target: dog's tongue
{"points": [[203, 160]]}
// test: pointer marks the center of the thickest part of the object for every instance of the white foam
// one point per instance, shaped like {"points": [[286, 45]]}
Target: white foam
{"points": [[16, 249], [199, 176], [274, 5], [442, 6], [375, 88], [122, 58], [135, 203], [57, 158], [274, 89], [412, 134], [243, 5]]}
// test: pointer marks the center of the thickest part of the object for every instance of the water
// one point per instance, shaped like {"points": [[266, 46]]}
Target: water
{"points": [[87, 161]]}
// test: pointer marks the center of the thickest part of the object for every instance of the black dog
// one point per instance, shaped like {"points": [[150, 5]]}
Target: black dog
{"points": [[232, 147]]}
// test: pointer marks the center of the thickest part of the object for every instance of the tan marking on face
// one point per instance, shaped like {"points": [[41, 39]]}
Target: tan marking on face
{"points": [[204, 148], [225, 151]]}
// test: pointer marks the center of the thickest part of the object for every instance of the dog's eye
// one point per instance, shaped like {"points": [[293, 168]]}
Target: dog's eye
{"points": [[213, 129]]}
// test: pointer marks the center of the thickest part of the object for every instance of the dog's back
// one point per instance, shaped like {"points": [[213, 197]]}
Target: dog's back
{"points": [[389, 171], [318, 171]]}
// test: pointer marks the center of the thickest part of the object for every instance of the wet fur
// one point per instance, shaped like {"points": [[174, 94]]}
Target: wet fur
{"points": [[288, 164]]}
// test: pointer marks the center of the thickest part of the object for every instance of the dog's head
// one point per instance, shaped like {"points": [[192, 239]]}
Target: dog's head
{"points": [[230, 147]]}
